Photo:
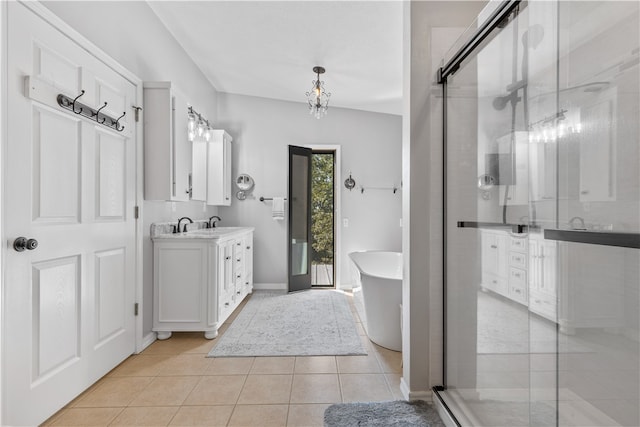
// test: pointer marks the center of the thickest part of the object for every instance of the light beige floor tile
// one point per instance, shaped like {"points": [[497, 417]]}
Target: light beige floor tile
{"points": [[113, 392], [358, 364], [185, 364], [140, 365], [390, 361], [230, 366], [306, 415], [166, 391], [216, 390], [259, 415], [364, 388], [204, 346], [87, 417], [145, 416], [273, 365], [202, 416], [82, 395], [393, 380], [179, 343], [315, 388], [53, 418], [316, 365], [266, 389]]}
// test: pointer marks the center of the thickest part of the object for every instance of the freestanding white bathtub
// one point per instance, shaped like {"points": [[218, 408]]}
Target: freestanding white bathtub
{"points": [[380, 277]]}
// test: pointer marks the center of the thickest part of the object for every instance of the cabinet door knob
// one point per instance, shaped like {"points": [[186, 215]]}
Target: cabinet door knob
{"points": [[238, 292], [248, 247], [494, 247], [226, 304], [229, 257], [238, 276], [238, 259], [246, 283]]}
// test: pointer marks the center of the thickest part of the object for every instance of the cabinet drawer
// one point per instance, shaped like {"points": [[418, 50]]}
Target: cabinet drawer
{"points": [[543, 304], [517, 276], [518, 291], [519, 245], [517, 259], [495, 284]]}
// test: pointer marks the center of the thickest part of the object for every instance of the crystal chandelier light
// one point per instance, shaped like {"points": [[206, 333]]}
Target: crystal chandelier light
{"points": [[318, 99]]}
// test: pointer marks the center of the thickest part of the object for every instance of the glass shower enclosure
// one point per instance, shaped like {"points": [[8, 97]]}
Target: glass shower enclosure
{"points": [[542, 221]]}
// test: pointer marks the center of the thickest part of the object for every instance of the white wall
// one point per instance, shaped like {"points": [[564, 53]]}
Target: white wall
{"points": [[428, 35], [371, 149], [133, 35]]}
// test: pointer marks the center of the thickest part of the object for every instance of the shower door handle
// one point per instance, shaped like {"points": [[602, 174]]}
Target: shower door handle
{"points": [[623, 240], [515, 228]]}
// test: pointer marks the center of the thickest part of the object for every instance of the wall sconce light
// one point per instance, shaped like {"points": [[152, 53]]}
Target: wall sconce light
{"points": [[197, 126]]}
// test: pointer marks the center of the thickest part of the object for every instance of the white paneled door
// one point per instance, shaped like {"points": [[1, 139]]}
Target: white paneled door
{"points": [[70, 185]]}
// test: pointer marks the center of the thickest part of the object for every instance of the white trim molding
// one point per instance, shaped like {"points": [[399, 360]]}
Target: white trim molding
{"points": [[270, 286], [426, 395]]}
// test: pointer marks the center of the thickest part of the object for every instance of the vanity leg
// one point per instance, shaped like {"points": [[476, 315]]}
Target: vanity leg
{"points": [[211, 334], [163, 335]]}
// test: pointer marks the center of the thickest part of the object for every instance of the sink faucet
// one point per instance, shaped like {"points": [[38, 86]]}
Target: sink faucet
{"points": [[177, 229], [212, 222], [580, 221]]}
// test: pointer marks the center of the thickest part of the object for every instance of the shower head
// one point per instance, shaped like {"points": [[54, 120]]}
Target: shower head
{"points": [[500, 102], [533, 36]]}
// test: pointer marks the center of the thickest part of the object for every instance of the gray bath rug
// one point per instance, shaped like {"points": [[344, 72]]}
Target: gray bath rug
{"points": [[310, 323], [383, 414]]}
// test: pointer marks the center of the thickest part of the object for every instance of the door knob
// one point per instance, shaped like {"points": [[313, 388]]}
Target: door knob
{"points": [[22, 243]]}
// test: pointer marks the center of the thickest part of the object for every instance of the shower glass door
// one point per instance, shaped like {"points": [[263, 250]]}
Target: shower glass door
{"points": [[542, 169], [492, 337], [597, 138]]}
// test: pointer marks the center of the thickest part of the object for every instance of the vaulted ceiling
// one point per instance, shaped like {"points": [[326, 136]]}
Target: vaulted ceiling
{"points": [[268, 48]]}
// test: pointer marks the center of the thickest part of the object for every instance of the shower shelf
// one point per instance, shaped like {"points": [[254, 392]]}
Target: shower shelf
{"points": [[624, 240], [515, 228]]}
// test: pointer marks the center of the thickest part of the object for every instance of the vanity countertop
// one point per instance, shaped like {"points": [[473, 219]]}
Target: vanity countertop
{"points": [[215, 233]]}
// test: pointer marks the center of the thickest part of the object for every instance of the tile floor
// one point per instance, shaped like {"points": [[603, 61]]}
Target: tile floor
{"points": [[173, 383]]}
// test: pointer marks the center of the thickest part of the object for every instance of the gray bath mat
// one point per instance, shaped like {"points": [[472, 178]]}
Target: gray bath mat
{"points": [[311, 323], [383, 414]]}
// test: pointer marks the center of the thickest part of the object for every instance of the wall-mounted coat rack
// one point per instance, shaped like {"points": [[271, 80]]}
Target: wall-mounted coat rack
{"points": [[89, 112]]}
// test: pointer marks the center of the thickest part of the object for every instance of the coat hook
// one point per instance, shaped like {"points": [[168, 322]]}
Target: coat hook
{"points": [[73, 104], [117, 123], [98, 114]]}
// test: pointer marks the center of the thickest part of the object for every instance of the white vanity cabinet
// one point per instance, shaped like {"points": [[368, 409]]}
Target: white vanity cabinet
{"points": [[212, 169], [199, 278], [167, 150], [504, 265]]}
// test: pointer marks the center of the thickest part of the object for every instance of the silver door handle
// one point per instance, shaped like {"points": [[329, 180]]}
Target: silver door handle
{"points": [[22, 243]]}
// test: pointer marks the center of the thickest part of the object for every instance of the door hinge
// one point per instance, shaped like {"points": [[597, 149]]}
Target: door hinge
{"points": [[137, 112], [135, 309], [136, 212]]}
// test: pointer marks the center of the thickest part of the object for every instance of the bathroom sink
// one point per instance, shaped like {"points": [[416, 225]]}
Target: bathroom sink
{"points": [[217, 231], [205, 233]]}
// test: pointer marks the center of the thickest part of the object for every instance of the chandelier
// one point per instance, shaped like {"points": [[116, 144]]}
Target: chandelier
{"points": [[318, 99]]}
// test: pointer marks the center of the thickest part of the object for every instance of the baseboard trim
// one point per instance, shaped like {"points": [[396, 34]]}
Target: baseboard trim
{"points": [[147, 340], [270, 286], [425, 395]]}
